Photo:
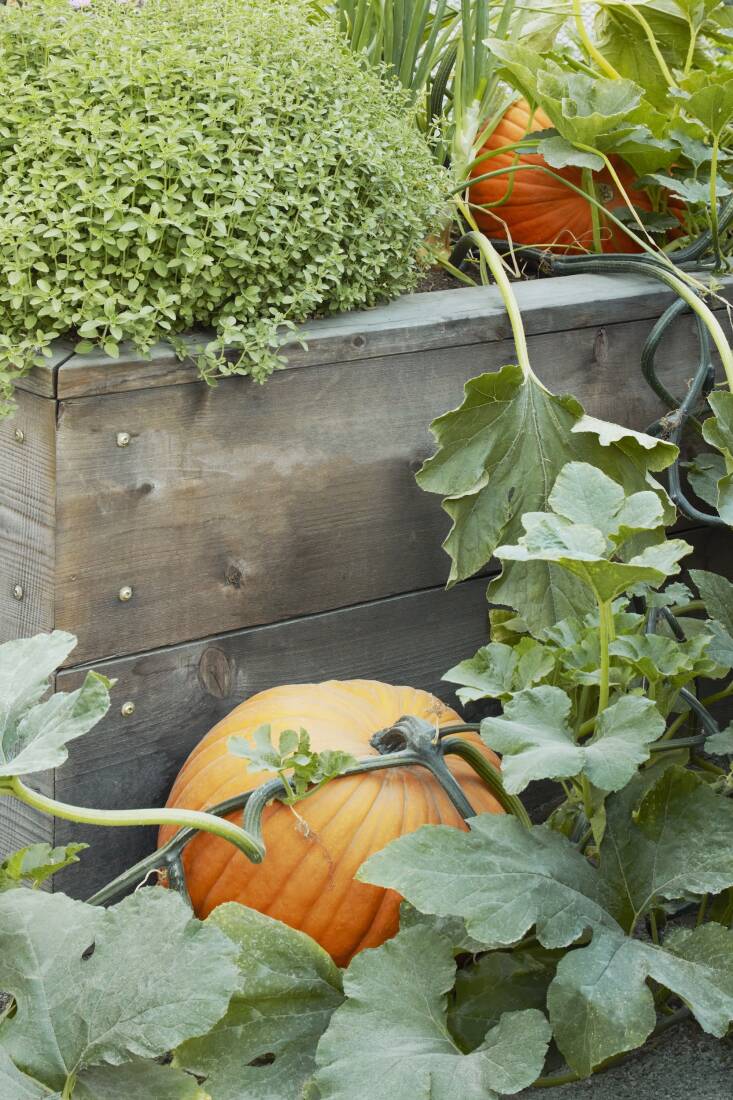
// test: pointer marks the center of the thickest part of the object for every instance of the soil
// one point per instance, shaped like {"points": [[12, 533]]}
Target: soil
{"points": [[681, 1063], [437, 278]]}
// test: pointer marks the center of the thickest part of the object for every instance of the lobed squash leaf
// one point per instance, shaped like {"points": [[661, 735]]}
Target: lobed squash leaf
{"points": [[390, 1037], [500, 877], [34, 734], [600, 1002], [536, 741], [499, 454], [287, 988], [665, 841], [718, 432], [77, 1007], [34, 864], [143, 1079]]}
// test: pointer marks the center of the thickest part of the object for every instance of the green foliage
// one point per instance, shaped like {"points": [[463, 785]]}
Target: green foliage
{"points": [[220, 163], [106, 988], [33, 865], [357, 1055], [288, 987], [34, 733], [301, 769]]}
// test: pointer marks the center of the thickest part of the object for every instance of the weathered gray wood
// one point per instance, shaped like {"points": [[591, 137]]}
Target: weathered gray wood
{"points": [[27, 518], [246, 504], [41, 380], [179, 693], [21, 826], [415, 322]]}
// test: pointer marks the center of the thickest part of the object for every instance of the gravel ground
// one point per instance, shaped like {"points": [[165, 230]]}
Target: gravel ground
{"points": [[683, 1062]]}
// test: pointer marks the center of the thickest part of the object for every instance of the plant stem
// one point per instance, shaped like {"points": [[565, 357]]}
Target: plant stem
{"points": [[653, 927], [714, 202], [595, 215], [185, 818], [496, 266], [490, 775], [590, 47], [606, 633]]}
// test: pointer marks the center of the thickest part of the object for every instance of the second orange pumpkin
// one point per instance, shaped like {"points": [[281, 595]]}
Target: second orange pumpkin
{"points": [[307, 876], [536, 209]]}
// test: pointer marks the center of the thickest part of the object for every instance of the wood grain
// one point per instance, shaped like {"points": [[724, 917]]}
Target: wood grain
{"points": [[415, 322], [27, 518], [133, 761], [246, 505]]}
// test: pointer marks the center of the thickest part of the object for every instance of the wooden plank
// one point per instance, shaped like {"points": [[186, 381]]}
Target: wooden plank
{"points": [[41, 380], [27, 518], [415, 322], [179, 693], [246, 505]]}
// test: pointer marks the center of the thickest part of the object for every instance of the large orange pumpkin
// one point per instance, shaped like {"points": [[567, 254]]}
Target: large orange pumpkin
{"points": [[539, 209], [307, 876]]}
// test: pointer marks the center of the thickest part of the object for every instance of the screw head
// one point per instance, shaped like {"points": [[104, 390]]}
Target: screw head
{"points": [[18, 592], [127, 709], [123, 439], [125, 593], [19, 435]]}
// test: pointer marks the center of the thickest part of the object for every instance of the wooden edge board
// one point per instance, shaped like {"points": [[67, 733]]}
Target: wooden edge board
{"points": [[415, 322]]}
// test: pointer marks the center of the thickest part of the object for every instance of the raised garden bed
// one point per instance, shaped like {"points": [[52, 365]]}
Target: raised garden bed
{"points": [[269, 534]]}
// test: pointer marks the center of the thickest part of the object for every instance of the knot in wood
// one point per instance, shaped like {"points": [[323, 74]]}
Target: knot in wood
{"points": [[216, 673]]}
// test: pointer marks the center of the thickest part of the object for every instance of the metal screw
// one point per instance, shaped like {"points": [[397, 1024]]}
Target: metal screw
{"points": [[18, 592], [123, 439], [127, 709], [19, 435], [125, 593]]}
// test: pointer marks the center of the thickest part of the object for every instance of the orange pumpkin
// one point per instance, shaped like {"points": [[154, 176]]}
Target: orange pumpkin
{"points": [[307, 876], [539, 209]]}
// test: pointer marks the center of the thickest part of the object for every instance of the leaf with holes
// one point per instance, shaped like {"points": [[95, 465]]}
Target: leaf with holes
{"points": [[288, 987], [98, 987]]}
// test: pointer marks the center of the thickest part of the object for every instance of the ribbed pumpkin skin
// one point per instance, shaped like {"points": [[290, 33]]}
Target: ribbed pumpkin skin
{"points": [[307, 876], [541, 210]]}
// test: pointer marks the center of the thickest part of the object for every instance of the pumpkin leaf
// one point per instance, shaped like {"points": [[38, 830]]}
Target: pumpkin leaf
{"points": [[691, 190], [543, 593], [498, 671], [390, 1035], [499, 454], [716, 593], [721, 744], [34, 864], [679, 841], [15, 1085], [137, 1079], [601, 1005], [264, 1047], [536, 741], [34, 734], [293, 754], [658, 658], [560, 153], [500, 877], [499, 982], [718, 432], [712, 105], [78, 1007]]}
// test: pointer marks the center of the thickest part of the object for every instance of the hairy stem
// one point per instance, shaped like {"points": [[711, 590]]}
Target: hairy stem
{"points": [[590, 47], [496, 266]]}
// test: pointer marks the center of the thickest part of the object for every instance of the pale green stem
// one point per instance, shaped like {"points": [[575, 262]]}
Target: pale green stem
{"points": [[606, 636], [595, 214], [653, 44], [591, 49], [714, 202], [191, 819], [496, 266]]}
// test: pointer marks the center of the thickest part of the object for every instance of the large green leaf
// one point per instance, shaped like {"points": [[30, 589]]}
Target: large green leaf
{"points": [[498, 982], [718, 431], [678, 841], [15, 1085], [543, 593], [34, 864], [498, 671], [95, 986], [137, 1079], [288, 987], [390, 1037], [536, 741], [501, 877], [716, 592], [33, 734], [499, 454], [601, 1004], [712, 104]]}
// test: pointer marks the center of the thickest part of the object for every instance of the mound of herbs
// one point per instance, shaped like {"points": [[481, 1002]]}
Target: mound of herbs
{"points": [[181, 163]]}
